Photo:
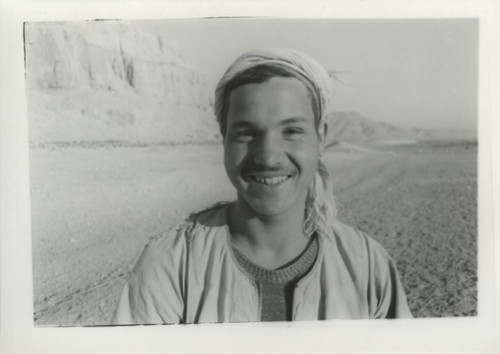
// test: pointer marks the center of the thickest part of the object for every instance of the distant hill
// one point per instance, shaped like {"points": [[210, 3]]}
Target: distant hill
{"points": [[351, 126], [455, 134]]}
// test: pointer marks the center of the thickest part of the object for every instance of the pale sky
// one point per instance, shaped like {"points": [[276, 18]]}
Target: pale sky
{"points": [[410, 73]]}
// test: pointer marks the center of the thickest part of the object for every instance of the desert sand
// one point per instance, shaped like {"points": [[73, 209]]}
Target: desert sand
{"points": [[94, 208]]}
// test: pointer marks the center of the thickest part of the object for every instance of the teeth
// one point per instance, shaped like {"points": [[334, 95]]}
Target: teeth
{"points": [[270, 180]]}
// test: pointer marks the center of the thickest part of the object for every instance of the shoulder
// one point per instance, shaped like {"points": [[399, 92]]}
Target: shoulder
{"points": [[359, 252], [165, 249], [374, 270], [199, 227], [357, 242], [214, 217], [157, 287]]}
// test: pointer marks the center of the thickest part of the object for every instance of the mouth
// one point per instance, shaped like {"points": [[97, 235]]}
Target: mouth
{"points": [[270, 181]]}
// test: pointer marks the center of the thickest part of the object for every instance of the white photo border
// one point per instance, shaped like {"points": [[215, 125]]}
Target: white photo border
{"points": [[18, 334]]}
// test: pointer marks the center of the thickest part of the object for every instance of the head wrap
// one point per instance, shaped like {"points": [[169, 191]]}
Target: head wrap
{"points": [[320, 202]]}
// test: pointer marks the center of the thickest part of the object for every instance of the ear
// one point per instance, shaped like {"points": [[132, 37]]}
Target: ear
{"points": [[322, 133]]}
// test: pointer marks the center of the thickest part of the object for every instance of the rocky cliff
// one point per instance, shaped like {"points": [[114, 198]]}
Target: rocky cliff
{"points": [[103, 80]]}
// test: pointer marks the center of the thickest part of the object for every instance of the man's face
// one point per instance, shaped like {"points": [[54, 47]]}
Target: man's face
{"points": [[271, 146]]}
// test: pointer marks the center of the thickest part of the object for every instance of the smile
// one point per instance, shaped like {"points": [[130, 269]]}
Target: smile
{"points": [[270, 181]]}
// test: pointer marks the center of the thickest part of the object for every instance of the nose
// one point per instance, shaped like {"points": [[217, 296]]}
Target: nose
{"points": [[267, 151]]}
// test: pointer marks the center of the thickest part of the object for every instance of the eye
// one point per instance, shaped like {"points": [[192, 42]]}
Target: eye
{"points": [[293, 132], [244, 136]]}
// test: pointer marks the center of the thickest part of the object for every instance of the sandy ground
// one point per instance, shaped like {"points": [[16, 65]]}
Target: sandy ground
{"points": [[93, 210]]}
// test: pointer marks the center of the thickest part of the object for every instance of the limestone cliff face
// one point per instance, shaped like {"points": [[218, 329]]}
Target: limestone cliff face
{"points": [[106, 80]]}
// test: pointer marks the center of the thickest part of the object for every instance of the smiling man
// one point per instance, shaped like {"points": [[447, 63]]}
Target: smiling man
{"points": [[277, 253]]}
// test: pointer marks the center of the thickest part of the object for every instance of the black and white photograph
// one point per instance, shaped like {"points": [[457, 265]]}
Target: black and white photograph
{"points": [[201, 173], [310, 170]]}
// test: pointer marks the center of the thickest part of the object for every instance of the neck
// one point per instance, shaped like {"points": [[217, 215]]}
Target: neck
{"points": [[267, 238]]}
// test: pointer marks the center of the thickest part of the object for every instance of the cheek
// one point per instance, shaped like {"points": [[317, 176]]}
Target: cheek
{"points": [[308, 158], [233, 158]]}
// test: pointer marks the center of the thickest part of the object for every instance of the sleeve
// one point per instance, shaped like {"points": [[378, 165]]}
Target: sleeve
{"points": [[386, 293], [154, 292]]}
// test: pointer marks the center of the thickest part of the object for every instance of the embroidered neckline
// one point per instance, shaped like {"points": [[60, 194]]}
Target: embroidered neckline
{"points": [[284, 274]]}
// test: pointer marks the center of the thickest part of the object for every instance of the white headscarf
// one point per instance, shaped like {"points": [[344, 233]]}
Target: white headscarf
{"points": [[320, 202]]}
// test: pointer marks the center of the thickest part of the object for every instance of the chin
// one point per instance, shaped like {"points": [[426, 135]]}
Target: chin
{"points": [[268, 210], [268, 207]]}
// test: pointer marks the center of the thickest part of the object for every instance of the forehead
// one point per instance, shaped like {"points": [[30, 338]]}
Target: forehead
{"points": [[276, 99]]}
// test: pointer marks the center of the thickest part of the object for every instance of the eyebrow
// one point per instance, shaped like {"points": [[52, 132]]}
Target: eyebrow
{"points": [[246, 124], [293, 120]]}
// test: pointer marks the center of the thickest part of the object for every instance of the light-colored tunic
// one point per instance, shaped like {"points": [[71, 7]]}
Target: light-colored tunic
{"points": [[189, 274]]}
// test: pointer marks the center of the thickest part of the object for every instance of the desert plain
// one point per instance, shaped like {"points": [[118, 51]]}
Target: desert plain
{"points": [[95, 205]]}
